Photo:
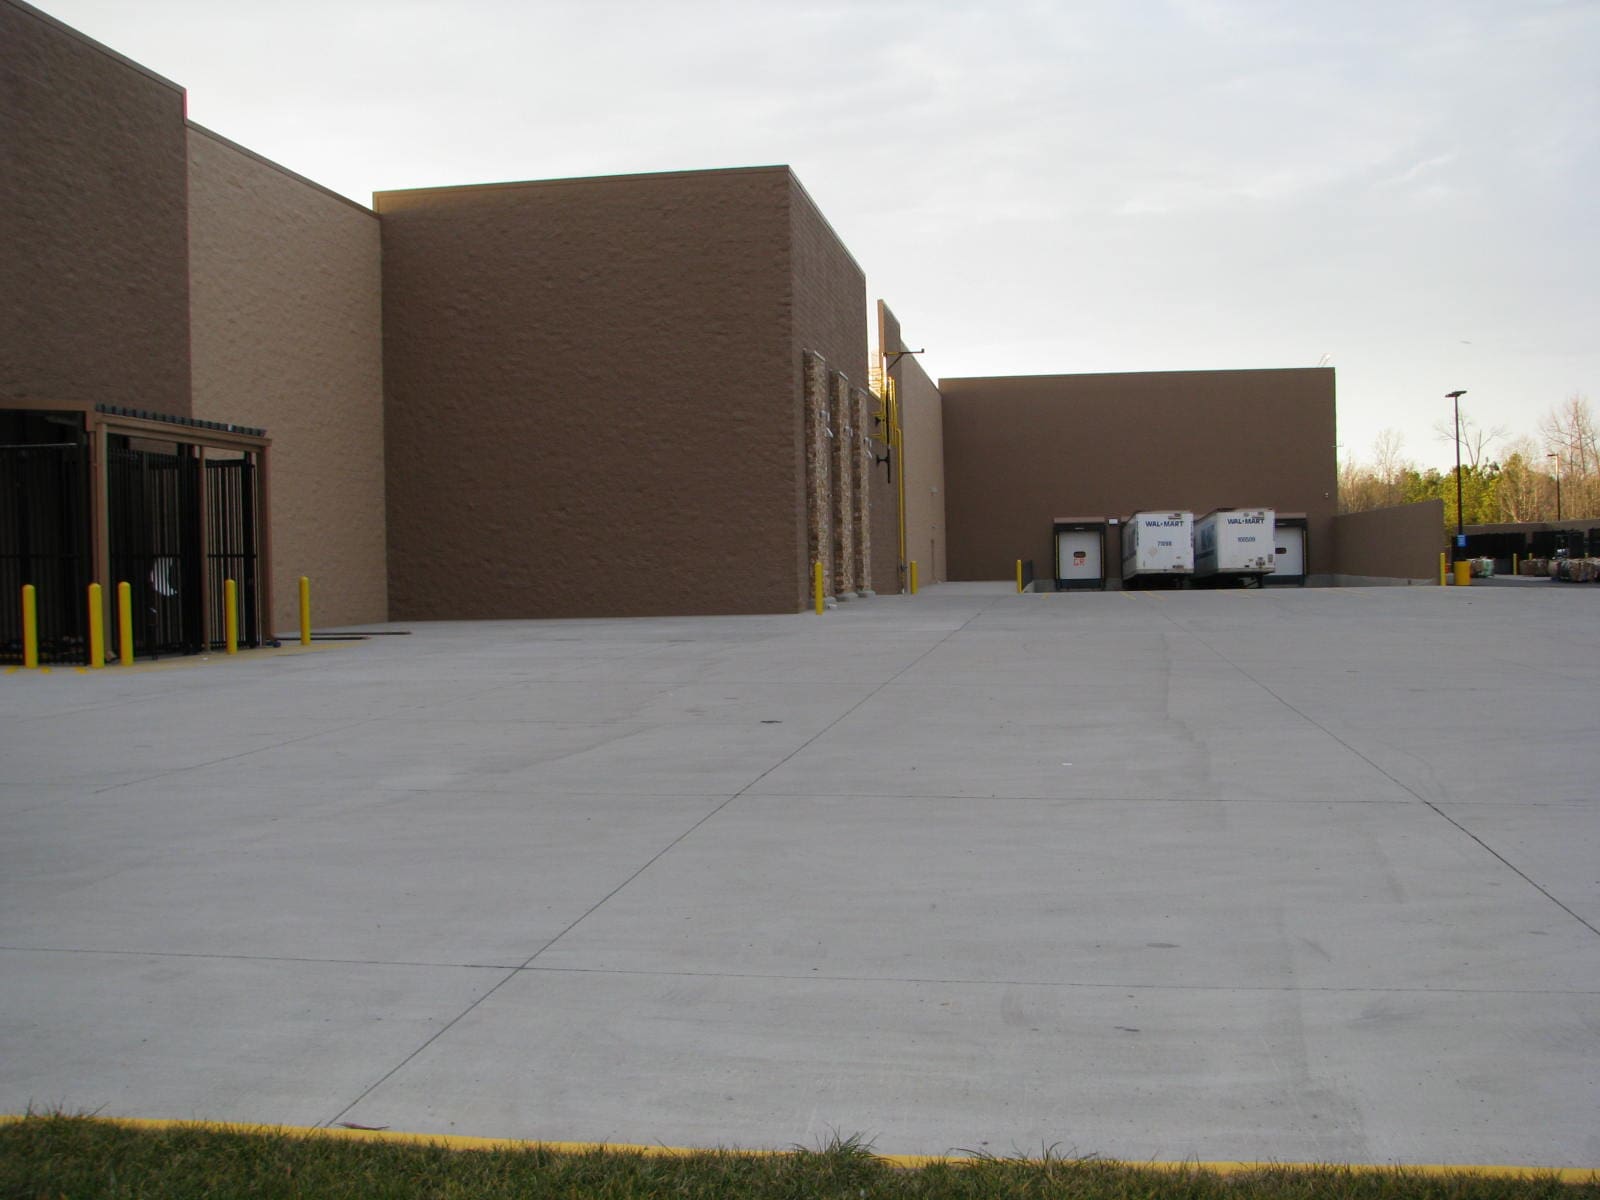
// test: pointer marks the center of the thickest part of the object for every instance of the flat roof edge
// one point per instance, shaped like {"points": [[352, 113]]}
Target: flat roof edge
{"points": [[573, 180], [30, 11], [196, 127], [944, 379]]}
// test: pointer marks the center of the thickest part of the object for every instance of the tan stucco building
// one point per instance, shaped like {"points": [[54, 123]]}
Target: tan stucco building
{"points": [[634, 395]]}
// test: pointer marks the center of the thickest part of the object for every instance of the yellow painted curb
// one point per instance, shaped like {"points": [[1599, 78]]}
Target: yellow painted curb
{"points": [[454, 1141]]}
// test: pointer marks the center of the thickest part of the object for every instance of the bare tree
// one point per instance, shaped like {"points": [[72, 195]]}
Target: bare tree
{"points": [[1389, 465], [1475, 439], [1570, 430]]}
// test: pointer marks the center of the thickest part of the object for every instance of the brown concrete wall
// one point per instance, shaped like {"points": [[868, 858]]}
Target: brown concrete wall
{"points": [[593, 397], [922, 418], [94, 302], [1390, 543], [1021, 450], [287, 331], [829, 315]]}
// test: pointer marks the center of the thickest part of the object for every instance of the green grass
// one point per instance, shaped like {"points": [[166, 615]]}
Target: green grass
{"points": [[58, 1157]]}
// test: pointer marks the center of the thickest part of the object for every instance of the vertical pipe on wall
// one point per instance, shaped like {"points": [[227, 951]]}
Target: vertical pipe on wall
{"points": [[97, 626], [30, 626], [125, 623]]}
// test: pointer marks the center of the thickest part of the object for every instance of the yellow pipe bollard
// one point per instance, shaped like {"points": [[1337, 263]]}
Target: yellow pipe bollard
{"points": [[97, 626], [816, 585], [125, 623], [1513, 564], [30, 626], [1463, 573], [305, 611], [913, 577], [1443, 576], [230, 618], [1019, 577]]}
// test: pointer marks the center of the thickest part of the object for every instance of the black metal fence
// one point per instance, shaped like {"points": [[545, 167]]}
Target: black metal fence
{"points": [[44, 540]]}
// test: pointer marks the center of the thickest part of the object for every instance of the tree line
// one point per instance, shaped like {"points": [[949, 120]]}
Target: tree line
{"points": [[1503, 478]]}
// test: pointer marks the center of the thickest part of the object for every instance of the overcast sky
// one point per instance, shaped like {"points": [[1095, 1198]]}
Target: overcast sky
{"points": [[1407, 190]]}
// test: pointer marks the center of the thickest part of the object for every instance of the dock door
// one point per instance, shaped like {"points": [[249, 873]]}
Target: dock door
{"points": [[1289, 546], [1080, 553]]}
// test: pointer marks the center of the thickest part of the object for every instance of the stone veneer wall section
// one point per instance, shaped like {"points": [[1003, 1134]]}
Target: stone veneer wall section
{"points": [[829, 311], [844, 534], [862, 403], [94, 264], [819, 473], [287, 334]]}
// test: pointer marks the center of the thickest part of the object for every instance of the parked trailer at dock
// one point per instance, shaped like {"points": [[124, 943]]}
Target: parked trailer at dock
{"points": [[1234, 541], [1158, 543]]}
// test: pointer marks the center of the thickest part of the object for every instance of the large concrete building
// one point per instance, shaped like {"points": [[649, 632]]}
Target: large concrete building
{"points": [[647, 394]]}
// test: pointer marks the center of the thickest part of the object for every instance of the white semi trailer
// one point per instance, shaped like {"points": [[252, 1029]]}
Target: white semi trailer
{"points": [[1158, 543], [1234, 541]]}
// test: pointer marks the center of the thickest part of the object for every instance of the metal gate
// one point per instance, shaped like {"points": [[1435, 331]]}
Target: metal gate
{"points": [[44, 540], [153, 534], [232, 545]]}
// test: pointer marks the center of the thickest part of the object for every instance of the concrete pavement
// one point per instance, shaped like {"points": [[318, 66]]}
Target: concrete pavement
{"points": [[1300, 875]]}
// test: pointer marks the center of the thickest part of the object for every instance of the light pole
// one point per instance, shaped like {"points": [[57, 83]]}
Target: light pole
{"points": [[1461, 527], [1557, 457]]}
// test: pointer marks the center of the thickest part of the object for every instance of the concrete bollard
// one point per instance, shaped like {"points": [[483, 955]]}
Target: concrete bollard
{"points": [[1463, 573]]}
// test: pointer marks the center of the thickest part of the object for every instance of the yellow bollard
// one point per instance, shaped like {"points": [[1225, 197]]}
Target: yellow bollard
{"points": [[816, 585], [305, 611], [230, 618], [30, 626], [1019, 577], [125, 623], [1513, 564], [913, 577], [1443, 573], [97, 627], [1463, 573]]}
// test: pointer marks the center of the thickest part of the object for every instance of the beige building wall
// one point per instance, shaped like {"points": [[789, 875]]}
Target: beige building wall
{"points": [[922, 419], [286, 319], [595, 392], [94, 303]]}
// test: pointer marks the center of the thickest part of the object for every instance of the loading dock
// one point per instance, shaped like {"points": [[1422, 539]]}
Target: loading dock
{"points": [[1080, 544], [1291, 543]]}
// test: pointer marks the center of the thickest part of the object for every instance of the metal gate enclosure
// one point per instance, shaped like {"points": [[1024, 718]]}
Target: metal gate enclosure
{"points": [[44, 540]]}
